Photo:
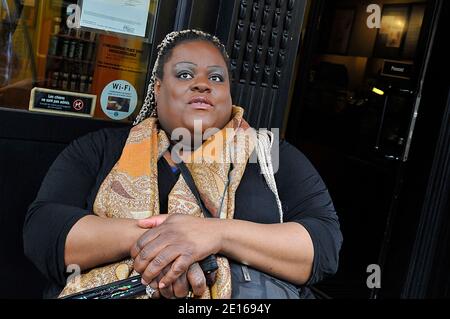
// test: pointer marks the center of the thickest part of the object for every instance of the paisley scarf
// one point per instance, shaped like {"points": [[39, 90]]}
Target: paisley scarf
{"points": [[131, 190]]}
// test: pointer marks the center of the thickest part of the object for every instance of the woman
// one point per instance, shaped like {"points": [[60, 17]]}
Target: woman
{"points": [[131, 175]]}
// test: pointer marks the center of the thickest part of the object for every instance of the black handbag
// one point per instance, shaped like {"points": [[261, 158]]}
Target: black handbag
{"points": [[249, 283], [246, 282]]}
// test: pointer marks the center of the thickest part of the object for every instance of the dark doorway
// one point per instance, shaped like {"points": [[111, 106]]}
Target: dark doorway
{"points": [[353, 114]]}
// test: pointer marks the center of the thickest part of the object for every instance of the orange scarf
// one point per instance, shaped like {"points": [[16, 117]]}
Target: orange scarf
{"points": [[131, 190]]}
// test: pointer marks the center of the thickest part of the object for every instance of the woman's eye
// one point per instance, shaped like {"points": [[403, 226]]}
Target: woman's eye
{"points": [[216, 78], [185, 76]]}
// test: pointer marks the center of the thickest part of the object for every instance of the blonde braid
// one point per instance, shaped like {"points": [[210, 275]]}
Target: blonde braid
{"points": [[264, 142]]}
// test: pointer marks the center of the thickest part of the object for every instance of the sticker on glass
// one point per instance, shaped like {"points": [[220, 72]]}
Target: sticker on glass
{"points": [[119, 99]]}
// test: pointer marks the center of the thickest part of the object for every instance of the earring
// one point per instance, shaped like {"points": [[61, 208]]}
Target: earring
{"points": [[154, 113]]}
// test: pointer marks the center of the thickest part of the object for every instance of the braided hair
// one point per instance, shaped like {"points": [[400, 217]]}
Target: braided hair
{"points": [[164, 53]]}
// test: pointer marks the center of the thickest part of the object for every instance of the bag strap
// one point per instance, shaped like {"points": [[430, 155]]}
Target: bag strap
{"points": [[209, 265], [190, 182]]}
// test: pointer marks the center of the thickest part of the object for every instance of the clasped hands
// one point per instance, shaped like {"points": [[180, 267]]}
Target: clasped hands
{"points": [[167, 254]]}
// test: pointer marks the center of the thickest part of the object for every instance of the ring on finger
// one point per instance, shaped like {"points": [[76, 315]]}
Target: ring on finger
{"points": [[190, 295], [150, 291]]}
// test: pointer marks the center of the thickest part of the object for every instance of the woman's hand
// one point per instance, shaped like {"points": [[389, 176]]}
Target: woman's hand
{"points": [[193, 280], [177, 241]]}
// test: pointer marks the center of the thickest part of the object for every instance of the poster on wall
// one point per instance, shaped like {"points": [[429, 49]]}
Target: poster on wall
{"points": [[394, 26], [122, 16]]}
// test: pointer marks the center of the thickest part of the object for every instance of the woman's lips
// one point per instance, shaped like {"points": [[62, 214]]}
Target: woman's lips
{"points": [[200, 103], [201, 106]]}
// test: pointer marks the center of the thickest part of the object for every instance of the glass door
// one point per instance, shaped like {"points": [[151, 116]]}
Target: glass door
{"points": [[356, 96], [75, 58]]}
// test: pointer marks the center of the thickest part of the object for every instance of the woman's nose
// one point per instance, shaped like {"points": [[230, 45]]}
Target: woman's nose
{"points": [[201, 84]]}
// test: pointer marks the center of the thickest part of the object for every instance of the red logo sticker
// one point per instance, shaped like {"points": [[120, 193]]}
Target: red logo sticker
{"points": [[78, 105]]}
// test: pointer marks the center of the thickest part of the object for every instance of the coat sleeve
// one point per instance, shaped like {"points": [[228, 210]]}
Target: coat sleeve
{"points": [[305, 200], [60, 203]]}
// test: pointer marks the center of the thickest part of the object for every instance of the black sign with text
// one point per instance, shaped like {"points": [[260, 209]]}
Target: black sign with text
{"points": [[62, 102], [397, 69]]}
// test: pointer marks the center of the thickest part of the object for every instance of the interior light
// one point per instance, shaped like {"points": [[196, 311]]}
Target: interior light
{"points": [[377, 91]]}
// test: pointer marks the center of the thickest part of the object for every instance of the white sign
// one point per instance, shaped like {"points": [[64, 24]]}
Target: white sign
{"points": [[119, 99], [122, 16]]}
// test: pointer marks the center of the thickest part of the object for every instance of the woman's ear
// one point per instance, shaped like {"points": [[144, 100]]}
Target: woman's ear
{"points": [[157, 88]]}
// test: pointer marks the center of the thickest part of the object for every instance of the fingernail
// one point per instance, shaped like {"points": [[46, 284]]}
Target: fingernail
{"points": [[144, 282], [161, 285]]}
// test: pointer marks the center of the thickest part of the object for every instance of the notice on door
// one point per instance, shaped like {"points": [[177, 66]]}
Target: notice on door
{"points": [[122, 16]]}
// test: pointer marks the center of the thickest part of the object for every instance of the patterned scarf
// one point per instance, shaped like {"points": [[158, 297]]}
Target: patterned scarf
{"points": [[131, 190]]}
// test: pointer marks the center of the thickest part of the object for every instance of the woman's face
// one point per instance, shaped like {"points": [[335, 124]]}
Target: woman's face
{"points": [[195, 87]]}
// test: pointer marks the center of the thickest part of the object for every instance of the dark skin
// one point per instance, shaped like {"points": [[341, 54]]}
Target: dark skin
{"points": [[192, 279], [179, 241], [93, 240], [196, 69]]}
